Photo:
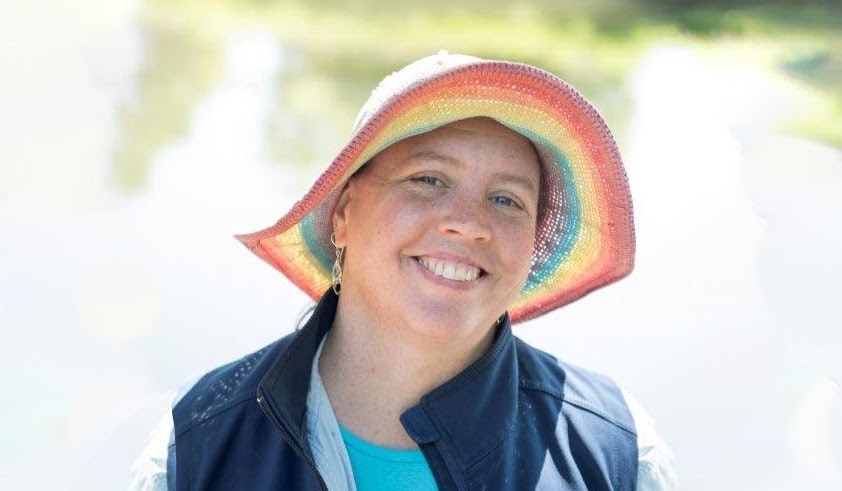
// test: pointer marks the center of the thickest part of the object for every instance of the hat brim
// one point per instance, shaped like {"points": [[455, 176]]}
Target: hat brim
{"points": [[586, 239]]}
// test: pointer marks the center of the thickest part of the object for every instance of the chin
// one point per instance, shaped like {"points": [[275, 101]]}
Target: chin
{"points": [[450, 325]]}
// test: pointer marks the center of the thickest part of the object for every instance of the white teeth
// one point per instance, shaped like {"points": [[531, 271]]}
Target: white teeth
{"points": [[451, 271]]}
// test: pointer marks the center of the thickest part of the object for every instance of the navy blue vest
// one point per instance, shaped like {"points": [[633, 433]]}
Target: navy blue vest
{"points": [[516, 419]]}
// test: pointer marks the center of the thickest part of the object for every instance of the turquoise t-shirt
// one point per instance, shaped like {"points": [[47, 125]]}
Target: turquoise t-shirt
{"points": [[385, 469]]}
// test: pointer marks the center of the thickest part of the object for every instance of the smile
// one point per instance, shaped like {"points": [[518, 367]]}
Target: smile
{"points": [[450, 270]]}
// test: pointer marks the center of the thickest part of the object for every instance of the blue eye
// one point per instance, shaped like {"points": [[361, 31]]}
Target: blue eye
{"points": [[428, 180], [505, 201]]}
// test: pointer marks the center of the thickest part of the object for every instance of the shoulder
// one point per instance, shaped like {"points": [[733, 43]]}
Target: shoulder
{"points": [[198, 400], [596, 397], [224, 387], [580, 390], [586, 413]]}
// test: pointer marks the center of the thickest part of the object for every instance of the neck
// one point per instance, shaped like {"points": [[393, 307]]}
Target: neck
{"points": [[373, 372]]}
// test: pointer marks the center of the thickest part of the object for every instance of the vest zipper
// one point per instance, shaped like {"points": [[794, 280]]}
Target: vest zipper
{"points": [[291, 442]]}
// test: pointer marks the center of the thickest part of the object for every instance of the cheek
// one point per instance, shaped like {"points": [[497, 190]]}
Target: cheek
{"points": [[375, 225], [520, 244], [395, 215]]}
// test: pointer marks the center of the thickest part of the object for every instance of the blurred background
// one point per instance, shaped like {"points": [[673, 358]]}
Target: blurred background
{"points": [[137, 136]]}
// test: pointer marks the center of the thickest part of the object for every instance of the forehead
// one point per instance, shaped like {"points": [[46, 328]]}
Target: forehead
{"points": [[488, 127], [483, 129], [465, 140]]}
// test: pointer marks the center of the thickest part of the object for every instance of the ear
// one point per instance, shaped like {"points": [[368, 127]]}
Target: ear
{"points": [[340, 216]]}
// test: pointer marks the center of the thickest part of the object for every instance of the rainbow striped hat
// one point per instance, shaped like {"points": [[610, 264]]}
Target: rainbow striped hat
{"points": [[585, 232]]}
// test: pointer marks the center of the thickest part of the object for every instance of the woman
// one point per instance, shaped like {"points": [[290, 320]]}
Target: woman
{"points": [[472, 195]]}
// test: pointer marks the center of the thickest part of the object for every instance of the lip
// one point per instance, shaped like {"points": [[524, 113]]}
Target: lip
{"points": [[452, 283]]}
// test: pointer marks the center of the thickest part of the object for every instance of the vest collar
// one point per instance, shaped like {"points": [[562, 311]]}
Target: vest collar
{"points": [[469, 415], [287, 382]]}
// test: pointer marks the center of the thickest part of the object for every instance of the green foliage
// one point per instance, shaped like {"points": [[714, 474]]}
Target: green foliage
{"points": [[819, 69], [178, 68], [347, 45]]}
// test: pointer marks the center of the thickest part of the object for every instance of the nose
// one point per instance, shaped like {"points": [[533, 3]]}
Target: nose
{"points": [[467, 218]]}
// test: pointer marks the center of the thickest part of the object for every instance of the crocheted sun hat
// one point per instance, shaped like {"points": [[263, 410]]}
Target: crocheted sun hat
{"points": [[585, 231]]}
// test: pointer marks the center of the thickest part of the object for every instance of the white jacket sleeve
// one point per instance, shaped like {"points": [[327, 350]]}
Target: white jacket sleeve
{"points": [[149, 471], [655, 470]]}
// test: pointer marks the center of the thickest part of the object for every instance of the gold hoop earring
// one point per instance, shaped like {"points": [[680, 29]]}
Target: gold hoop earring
{"points": [[336, 272]]}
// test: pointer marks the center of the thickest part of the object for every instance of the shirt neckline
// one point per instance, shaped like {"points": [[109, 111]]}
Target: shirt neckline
{"points": [[396, 455]]}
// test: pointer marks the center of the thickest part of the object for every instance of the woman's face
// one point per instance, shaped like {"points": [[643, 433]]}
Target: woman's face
{"points": [[439, 229]]}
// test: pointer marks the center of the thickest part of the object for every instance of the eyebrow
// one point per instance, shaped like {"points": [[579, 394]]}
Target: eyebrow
{"points": [[503, 176]]}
